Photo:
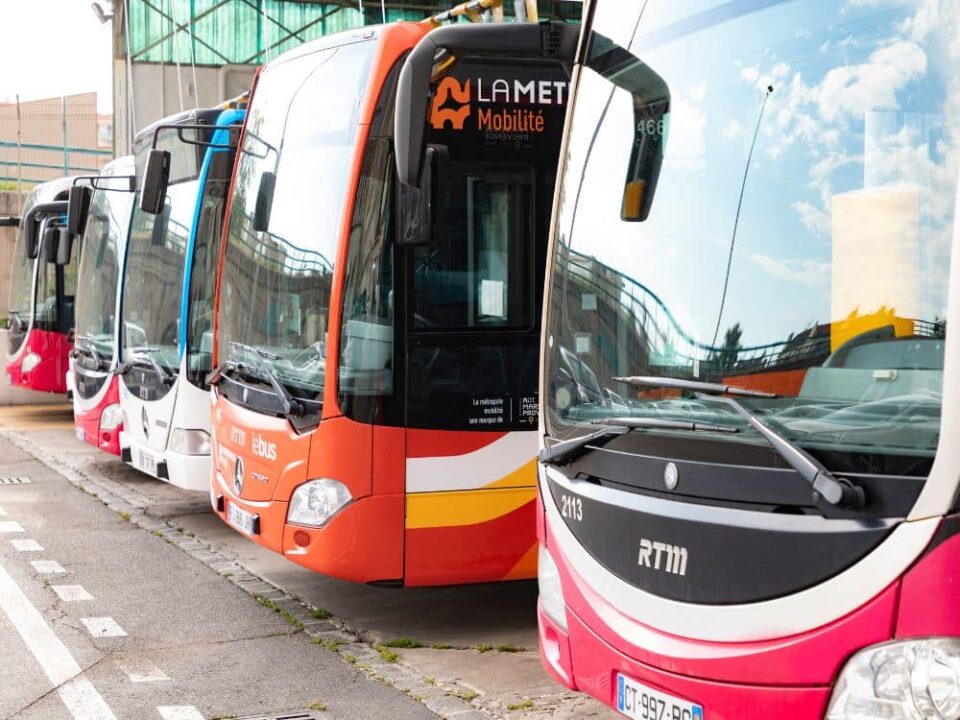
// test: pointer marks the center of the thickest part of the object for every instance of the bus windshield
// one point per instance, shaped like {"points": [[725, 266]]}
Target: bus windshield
{"points": [[802, 159], [286, 210], [153, 279], [21, 283], [99, 273]]}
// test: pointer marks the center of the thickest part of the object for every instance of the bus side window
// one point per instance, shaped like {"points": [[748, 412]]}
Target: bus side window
{"points": [[367, 330]]}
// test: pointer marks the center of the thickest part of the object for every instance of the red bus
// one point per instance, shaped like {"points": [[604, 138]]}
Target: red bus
{"points": [[748, 475], [43, 285]]}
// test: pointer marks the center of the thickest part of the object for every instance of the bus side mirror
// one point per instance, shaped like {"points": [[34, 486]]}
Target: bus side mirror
{"points": [[156, 177], [64, 247], [51, 243], [261, 212], [78, 208], [417, 206], [31, 240], [651, 120]]}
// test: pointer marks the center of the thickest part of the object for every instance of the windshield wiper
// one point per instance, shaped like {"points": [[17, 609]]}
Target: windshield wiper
{"points": [[563, 450], [288, 405], [835, 490], [82, 346], [693, 385], [142, 358]]}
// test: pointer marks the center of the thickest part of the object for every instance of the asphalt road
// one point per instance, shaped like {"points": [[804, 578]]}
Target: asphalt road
{"points": [[100, 619], [184, 589]]}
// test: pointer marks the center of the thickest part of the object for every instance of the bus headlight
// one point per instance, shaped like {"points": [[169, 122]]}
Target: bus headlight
{"points": [[189, 442], [904, 680], [551, 591], [30, 361], [316, 501], [111, 418]]}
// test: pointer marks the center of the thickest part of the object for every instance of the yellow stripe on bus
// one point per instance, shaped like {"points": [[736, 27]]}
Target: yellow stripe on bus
{"points": [[524, 476], [463, 507]]}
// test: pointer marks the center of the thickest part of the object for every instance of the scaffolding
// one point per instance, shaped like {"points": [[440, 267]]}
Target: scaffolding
{"points": [[250, 32], [173, 55]]}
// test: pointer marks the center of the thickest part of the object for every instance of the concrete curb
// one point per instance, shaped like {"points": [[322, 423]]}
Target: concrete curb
{"points": [[444, 699]]}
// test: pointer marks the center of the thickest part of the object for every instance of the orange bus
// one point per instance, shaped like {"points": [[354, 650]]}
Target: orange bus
{"points": [[378, 311]]}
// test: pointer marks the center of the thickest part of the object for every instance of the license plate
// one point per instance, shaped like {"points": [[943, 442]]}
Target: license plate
{"points": [[80, 434], [242, 520], [147, 463], [640, 702]]}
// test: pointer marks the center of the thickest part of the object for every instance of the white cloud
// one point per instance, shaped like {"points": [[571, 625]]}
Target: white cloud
{"points": [[811, 273], [732, 130], [854, 89], [815, 220], [688, 123]]}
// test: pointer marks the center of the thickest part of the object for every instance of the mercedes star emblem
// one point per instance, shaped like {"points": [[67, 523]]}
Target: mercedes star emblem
{"points": [[671, 476], [238, 476]]}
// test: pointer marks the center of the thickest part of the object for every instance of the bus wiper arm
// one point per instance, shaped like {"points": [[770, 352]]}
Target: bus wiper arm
{"points": [[836, 491], [692, 385], [83, 346], [660, 424], [563, 450], [143, 358], [288, 405]]}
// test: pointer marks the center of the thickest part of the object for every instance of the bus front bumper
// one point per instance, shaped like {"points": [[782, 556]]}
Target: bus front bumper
{"points": [[594, 667], [189, 472], [362, 543]]}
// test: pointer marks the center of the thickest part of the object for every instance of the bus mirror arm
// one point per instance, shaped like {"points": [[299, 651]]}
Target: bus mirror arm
{"points": [[551, 40], [417, 206], [31, 223]]}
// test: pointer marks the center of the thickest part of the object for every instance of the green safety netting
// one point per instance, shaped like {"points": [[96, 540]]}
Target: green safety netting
{"points": [[221, 32]]}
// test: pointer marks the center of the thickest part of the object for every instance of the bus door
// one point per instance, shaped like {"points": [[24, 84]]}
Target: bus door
{"points": [[472, 322]]}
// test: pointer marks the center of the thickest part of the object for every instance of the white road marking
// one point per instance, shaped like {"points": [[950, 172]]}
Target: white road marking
{"points": [[179, 712], [140, 671], [83, 700], [10, 526], [47, 567], [103, 627], [24, 545], [77, 693], [71, 593]]}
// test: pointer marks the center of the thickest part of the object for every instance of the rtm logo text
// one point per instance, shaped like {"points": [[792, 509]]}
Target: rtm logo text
{"points": [[264, 449], [662, 556]]}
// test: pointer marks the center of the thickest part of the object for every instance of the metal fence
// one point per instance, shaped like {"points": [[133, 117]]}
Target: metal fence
{"points": [[41, 140]]}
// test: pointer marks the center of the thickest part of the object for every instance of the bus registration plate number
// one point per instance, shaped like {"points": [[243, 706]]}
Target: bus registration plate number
{"points": [[241, 519], [640, 702], [146, 463]]}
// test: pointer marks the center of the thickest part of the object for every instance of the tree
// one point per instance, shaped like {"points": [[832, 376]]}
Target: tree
{"points": [[726, 357]]}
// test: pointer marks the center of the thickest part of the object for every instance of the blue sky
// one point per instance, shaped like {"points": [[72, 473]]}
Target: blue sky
{"points": [[864, 118]]}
